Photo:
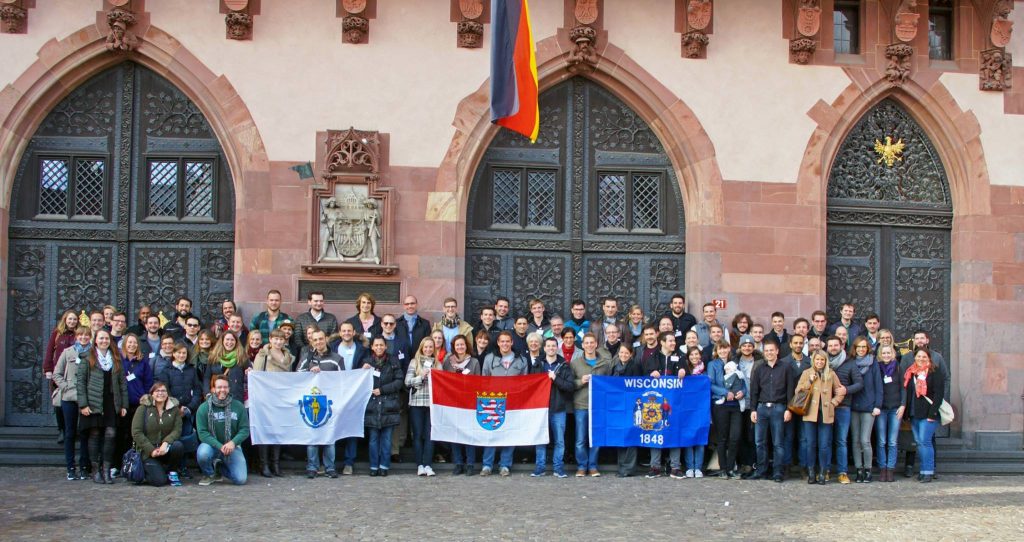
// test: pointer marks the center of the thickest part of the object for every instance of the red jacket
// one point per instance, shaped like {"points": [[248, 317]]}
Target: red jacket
{"points": [[57, 344]]}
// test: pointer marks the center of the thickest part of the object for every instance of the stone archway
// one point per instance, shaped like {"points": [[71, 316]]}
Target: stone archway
{"points": [[687, 145], [64, 65]]}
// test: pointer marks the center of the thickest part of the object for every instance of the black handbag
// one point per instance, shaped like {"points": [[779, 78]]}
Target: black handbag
{"points": [[131, 462]]}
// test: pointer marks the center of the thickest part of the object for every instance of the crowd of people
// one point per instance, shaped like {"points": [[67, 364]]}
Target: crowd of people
{"points": [[176, 389]]}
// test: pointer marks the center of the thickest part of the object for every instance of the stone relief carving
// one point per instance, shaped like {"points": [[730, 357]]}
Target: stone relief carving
{"points": [[808, 19], [121, 39], [897, 71], [350, 227], [352, 149], [694, 43], [802, 49], [239, 25], [471, 34], [12, 17], [583, 56], [905, 23], [1002, 26], [996, 70], [355, 26], [698, 14]]}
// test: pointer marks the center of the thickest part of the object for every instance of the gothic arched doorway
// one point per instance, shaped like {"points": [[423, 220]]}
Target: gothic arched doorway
{"points": [[591, 209], [123, 197], [889, 222]]}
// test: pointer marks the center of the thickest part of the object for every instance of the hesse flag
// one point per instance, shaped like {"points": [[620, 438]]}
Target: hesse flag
{"points": [[665, 412], [489, 410], [514, 89], [307, 408]]}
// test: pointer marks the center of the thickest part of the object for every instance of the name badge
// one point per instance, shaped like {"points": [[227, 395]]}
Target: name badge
{"points": [[78, 361], [674, 358], [465, 371], [428, 364], [922, 377], [679, 333], [636, 344], [401, 355], [130, 377], [887, 379], [367, 334], [376, 373], [580, 333], [152, 355]]}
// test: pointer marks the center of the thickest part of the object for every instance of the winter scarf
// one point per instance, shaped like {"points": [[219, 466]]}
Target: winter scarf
{"points": [[226, 405], [920, 384], [106, 360], [864, 363], [835, 362], [229, 359], [452, 322]]}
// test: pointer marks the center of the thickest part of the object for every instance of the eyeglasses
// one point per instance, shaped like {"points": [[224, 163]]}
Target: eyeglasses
{"points": [[387, 323], [161, 390], [192, 325]]}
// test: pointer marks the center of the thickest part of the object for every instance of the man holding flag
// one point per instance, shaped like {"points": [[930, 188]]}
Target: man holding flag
{"points": [[514, 89], [504, 362]]}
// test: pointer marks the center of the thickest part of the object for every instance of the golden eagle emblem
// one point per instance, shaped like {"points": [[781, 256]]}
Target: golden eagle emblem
{"points": [[889, 152]]}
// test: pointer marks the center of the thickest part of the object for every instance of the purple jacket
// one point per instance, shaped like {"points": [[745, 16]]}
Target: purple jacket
{"points": [[138, 386]]}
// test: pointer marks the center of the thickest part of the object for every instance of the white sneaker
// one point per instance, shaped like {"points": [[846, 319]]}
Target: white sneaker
{"points": [[697, 473], [420, 471], [428, 471], [689, 473]]}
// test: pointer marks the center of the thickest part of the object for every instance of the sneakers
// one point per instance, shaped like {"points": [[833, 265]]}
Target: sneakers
{"points": [[71, 474], [594, 473], [697, 473], [346, 470], [843, 478], [581, 473], [560, 474], [486, 471], [428, 471], [83, 473], [459, 469], [420, 471], [173, 478], [504, 471], [537, 473], [332, 474], [206, 480], [676, 474], [655, 472], [311, 474], [470, 469], [114, 472], [689, 473]]}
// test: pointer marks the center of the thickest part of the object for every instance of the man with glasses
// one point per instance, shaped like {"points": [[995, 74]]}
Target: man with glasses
{"points": [[400, 349], [411, 325], [118, 327], [316, 315], [191, 336], [819, 326], [451, 325]]}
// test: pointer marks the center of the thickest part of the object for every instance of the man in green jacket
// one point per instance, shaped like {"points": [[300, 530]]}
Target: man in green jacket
{"points": [[223, 425]]}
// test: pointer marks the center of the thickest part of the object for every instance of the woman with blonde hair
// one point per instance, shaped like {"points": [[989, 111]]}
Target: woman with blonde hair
{"points": [[417, 379], [826, 393], [274, 357], [228, 358]]}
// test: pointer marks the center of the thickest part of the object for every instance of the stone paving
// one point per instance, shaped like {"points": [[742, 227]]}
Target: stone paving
{"points": [[37, 504]]}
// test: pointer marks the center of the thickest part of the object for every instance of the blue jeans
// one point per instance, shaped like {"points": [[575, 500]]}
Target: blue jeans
{"points": [[423, 447], [887, 430], [841, 433], [70, 411], [556, 422], [504, 461], [234, 465], [313, 457], [694, 457], [380, 447], [586, 455], [817, 444], [769, 418], [792, 431], [924, 431], [349, 451], [463, 454]]}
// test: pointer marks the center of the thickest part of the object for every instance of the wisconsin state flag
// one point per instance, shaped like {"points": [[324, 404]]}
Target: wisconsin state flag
{"points": [[513, 69], [489, 410]]}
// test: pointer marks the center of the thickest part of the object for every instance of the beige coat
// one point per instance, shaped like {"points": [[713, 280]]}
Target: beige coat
{"points": [[65, 375], [828, 395], [264, 362]]}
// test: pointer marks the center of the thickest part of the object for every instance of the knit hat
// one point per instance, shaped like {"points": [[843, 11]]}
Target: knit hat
{"points": [[746, 339], [730, 367]]}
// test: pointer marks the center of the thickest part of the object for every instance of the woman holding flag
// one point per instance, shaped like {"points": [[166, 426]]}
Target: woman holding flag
{"points": [[417, 380], [382, 411], [459, 361]]}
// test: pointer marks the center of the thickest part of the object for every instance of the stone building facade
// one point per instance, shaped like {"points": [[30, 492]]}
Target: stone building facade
{"points": [[722, 148]]}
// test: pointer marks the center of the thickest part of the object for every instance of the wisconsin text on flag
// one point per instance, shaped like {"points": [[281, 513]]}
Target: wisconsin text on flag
{"points": [[489, 411], [514, 69]]}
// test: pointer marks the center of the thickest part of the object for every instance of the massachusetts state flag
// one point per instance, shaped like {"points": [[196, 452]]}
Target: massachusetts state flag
{"points": [[514, 89], [307, 408], [489, 410]]}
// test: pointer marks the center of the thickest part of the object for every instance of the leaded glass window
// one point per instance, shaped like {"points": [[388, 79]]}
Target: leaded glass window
{"points": [[940, 30], [523, 198], [181, 189], [629, 201], [846, 27], [505, 209], [72, 188]]}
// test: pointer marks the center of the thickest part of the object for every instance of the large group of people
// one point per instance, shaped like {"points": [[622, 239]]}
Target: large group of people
{"points": [[780, 397]]}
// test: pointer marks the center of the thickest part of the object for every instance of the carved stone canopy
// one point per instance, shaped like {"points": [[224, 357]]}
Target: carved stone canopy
{"points": [[802, 49], [13, 16], [996, 72], [351, 151], [694, 43], [471, 34], [898, 68], [354, 28], [239, 25]]}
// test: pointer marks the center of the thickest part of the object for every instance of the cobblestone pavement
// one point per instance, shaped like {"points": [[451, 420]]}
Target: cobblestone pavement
{"points": [[37, 504]]}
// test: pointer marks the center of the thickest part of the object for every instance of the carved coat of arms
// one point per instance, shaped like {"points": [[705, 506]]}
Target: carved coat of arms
{"points": [[1002, 30], [698, 14], [471, 9], [351, 229], [808, 21]]}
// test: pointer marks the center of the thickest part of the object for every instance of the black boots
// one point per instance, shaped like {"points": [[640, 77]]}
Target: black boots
{"points": [[275, 460], [107, 478], [908, 468], [810, 477], [264, 462], [97, 474]]}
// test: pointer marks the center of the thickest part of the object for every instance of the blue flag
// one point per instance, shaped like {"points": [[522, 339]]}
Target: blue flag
{"points": [[666, 412]]}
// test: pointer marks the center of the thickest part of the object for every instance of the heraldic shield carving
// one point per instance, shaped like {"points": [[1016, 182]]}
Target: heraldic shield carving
{"points": [[350, 227]]}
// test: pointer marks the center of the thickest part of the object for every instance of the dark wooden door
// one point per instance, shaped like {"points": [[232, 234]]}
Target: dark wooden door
{"points": [[123, 197], [591, 209]]}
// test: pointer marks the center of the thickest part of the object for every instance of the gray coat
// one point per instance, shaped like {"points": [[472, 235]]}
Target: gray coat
{"points": [[65, 374]]}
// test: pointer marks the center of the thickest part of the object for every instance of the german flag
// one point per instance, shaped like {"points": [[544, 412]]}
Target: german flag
{"points": [[513, 69]]}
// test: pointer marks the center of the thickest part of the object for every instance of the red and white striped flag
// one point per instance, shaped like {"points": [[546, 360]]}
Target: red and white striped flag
{"points": [[489, 410]]}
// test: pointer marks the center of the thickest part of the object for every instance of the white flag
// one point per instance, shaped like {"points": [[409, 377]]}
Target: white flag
{"points": [[307, 408]]}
